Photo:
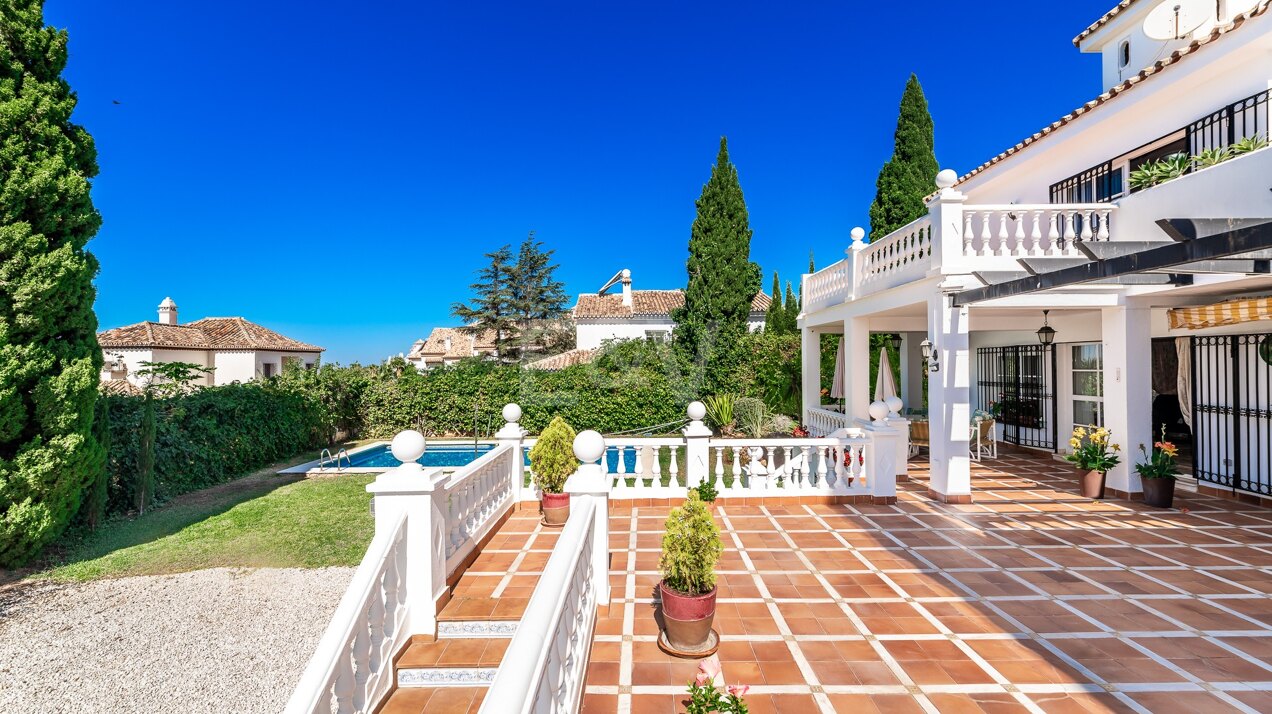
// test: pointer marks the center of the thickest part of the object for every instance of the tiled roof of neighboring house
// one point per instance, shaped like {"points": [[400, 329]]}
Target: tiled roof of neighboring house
{"points": [[1106, 19], [461, 344], [119, 387], [1157, 68], [644, 302], [563, 360], [210, 333]]}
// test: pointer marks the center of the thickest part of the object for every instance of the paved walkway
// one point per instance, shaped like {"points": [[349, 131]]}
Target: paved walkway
{"points": [[1029, 599]]}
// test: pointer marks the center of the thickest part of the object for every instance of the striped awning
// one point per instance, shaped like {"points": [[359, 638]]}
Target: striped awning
{"points": [[1225, 313]]}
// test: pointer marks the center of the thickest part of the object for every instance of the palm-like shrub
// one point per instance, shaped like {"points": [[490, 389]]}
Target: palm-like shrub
{"points": [[552, 456], [690, 548], [1248, 144], [752, 416], [1212, 157], [719, 410]]}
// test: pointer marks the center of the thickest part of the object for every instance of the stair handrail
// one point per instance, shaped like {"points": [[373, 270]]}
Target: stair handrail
{"points": [[348, 459], [324, 457], [354, 659]]}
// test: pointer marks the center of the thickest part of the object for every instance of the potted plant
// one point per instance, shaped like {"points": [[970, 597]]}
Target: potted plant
{"points": [[709, 694], [690, 550], [707, 492], [1158, 472], [1093, 454], [552, 461]]}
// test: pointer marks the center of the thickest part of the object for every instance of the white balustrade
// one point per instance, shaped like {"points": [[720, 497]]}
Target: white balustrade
{"points": [[902, 256], [828, 286], [352, 667], [1033, 230], [475, 498], [823, 422], [646, 472], [748, 468]]}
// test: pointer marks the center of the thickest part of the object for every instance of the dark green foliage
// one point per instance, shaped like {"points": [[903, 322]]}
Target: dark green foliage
{"points": [[691, 548], [538, 300], [707, 490], [49, 358], [145, 488], [338, 392], [491, 306], [771, 371], [910, 175], [775, 317], [792, 307], [93, 512], [722, 281], [168, 379]]}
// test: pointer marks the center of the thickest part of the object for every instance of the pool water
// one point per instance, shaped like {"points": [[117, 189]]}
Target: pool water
{"points": [[451, 455]]}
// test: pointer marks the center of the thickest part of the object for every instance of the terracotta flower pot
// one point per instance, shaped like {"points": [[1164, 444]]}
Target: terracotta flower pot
{"points": [[687, 618], [555, 507], [1159, 492], [1092, 483]]}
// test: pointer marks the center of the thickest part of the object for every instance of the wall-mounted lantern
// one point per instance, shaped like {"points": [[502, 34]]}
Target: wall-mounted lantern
{"points": [[929, 355]]}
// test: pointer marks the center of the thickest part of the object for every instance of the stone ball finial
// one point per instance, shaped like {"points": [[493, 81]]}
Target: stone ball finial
{"points": [[894, 404], [408, 446], [696, 410], [627, 273], [878, 410], [512, 413], [589, 446], [946, 179], [858, 234]]}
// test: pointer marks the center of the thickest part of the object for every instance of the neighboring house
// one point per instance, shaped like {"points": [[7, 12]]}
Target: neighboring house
{"points": [[448, 345], [630, 314], [1158, 318], [563, 360], [237, 350]]}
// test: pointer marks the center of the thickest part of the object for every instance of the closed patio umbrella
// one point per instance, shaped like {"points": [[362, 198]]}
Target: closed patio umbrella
{"points": [[837, 385], [885, 383]]}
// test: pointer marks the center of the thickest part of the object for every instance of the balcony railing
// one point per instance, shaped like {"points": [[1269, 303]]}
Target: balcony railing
{"points": [[1033, 231]]}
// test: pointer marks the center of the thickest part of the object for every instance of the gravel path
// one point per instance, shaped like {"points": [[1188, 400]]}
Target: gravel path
{"points": [[221, 640]]}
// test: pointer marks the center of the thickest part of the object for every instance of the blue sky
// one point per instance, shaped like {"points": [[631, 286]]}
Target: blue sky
{"points": [[334, 170]]}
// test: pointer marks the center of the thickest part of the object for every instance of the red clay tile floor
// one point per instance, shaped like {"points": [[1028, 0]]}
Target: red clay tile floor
{"points": [[1029, 599]]}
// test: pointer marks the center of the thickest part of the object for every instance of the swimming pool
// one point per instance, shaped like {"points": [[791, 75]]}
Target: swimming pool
{"points": [[447, 455]]}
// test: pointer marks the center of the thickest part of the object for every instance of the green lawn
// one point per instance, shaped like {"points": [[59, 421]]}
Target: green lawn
{"points": [[262, 520]]}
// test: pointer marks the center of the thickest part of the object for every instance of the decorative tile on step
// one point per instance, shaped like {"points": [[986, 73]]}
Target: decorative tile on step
{"points": [[446, 677], [476, 628]]}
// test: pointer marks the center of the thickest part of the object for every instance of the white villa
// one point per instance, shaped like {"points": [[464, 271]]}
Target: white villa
{"points": [[447, 345], [633, 314], [1158, 295], [238, 350]]}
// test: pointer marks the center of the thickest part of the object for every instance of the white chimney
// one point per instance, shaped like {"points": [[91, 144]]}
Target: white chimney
{"points": [[627, 288], [447, 345], [167, 312]]}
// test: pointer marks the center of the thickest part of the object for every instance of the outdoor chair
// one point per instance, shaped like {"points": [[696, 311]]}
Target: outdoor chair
{"points": [[919, 431], [984, 438]]}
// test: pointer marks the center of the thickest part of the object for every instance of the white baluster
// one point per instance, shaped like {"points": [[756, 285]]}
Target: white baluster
{"points": [[1003, 248], [673, 466], [1105, 215], [1053, 233], [968, 234], [719, 462], [344, 683], [1035, 235], [737, 467], [1068, 230], [1086, 225], [787, 466], [985, 236], [622, 463]]}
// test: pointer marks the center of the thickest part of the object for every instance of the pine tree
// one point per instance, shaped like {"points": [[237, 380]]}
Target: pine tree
{"points": [[791, 323], [775, 316], [537, 298], [50, 361], [491, 307], [722, 279], [910, 175]]}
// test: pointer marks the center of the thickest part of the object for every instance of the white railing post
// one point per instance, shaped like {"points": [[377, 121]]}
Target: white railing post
{"points": [[697, 452], [902, 427], [881, 454], [946, 211], [590, 483], [412, 490], [513, 435], [853, 261]]}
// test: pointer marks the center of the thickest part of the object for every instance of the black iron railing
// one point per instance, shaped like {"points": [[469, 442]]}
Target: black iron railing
{"points": [[1232, 411], [1095, 185], [1239, 120], [1017, 384]]}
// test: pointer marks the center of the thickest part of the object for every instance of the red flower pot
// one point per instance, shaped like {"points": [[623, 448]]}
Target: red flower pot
{"points": [[555, 507], [687, 618]]}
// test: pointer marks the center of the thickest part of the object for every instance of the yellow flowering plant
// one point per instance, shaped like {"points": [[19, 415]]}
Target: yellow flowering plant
{"points": [[1160, 462], [1093, 449]]}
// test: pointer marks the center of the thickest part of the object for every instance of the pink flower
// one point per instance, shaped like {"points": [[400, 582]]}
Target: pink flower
{"points": [[739, 690], [709, 670]]}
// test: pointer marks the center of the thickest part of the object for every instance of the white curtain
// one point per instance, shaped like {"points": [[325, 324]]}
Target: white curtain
{"points": [[1183, 379]]}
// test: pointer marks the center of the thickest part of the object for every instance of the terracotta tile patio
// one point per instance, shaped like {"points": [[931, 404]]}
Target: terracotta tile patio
{"points": [[1028, 599]]}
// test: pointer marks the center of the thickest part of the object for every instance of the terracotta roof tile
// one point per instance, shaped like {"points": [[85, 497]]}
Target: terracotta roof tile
{"points": [[461, 344], [644, 302], [119, 387], [210, 333], [1157, 68], [1104, 20], [563, 360]]}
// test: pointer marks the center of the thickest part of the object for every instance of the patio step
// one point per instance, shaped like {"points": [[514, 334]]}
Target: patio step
{"points": [[419, 700], [452, 662], [480, 617]]}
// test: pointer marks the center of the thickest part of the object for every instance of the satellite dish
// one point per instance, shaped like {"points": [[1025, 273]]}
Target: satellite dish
{"points": [[1174, 19]]}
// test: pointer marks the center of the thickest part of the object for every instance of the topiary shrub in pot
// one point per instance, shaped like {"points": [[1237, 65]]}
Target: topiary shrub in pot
{"points": [[552, 461], [690, 550]]}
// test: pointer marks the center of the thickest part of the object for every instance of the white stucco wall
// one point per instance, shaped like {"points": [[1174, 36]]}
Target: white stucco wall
{"points": [[134, 357], [591, 333]]}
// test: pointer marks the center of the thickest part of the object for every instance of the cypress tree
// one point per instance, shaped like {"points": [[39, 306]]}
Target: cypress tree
{"points": [[775, 316], [909, 176], [145, 492], [96, 498], [722, 279], [791, 323], [50, 362]]}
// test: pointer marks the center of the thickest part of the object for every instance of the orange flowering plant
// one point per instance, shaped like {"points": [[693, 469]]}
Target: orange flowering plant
{"points": [[1160, 462]]}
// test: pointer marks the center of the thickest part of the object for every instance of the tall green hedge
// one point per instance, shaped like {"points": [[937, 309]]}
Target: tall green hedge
{"points": [[207, 437]]}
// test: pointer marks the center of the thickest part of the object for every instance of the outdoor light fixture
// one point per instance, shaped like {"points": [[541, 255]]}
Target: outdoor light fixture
{"points": [[1046, 333], [895, 340], [929, 355]]}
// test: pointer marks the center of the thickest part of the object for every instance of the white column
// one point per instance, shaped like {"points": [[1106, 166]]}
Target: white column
{"points": [[1128, 389], [697, 454], [590, 482], [946, 212], [415, 491], [857, 368], [881, 452], [513, 435], [949, 408], [810, 368]]}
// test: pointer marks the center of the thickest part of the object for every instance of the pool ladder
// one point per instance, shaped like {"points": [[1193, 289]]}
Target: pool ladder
{"points": [[325, 458]]}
